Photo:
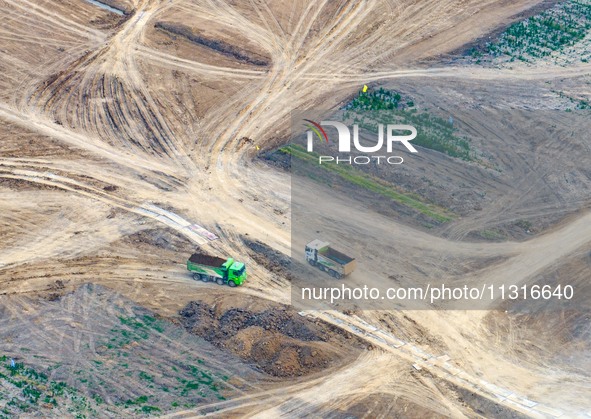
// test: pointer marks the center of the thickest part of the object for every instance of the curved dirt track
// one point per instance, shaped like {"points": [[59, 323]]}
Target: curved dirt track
{"points": [[137, 149]]}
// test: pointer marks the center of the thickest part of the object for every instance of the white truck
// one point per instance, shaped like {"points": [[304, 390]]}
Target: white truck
{"points": [[327, 259]]}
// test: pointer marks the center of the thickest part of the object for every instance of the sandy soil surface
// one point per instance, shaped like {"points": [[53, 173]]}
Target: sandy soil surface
{"points": [[118, 134]]}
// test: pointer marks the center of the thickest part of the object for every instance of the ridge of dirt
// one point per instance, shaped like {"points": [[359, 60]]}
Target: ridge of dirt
{"points": [[216, 45]]}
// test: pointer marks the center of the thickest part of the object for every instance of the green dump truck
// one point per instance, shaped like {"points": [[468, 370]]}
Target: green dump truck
{"points": [[329, 260], [212, 268]]}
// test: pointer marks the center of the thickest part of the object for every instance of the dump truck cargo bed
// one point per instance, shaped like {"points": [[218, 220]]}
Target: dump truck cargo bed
{"points": [[204, 259], [337, 256]]}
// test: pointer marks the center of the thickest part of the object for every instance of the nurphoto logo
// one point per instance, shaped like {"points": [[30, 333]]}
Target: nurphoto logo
{"points": [[393, 135]]}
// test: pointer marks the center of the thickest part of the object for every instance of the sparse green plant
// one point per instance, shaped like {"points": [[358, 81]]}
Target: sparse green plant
{"points": [[524, 224], [150, 409], [145, 376], [491, 235]]}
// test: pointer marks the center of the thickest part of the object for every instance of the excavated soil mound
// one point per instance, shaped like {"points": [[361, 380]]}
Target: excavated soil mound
{"points": [[276, 340]]}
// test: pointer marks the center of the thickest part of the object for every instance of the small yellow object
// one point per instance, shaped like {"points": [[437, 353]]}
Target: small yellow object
{"points": [[258, 148], [364, 88]]}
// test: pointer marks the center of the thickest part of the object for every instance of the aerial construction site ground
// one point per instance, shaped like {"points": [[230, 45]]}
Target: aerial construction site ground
{"points": [[134, 133]]}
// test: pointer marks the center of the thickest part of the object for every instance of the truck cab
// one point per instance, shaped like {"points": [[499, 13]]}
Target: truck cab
{"points": [[312, 249], [235, 271]]}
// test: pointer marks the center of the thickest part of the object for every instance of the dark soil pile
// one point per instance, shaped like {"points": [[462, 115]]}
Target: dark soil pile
{"points": [[277, 340], [273, 260], [216, 45]]}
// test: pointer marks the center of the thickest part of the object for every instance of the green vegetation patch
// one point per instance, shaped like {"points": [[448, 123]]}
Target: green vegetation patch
{"points": [[381, 106], [187, 379], [355, 176], [578, 104], [539, 36], [491, 235], [376, 100], [24, 391]]}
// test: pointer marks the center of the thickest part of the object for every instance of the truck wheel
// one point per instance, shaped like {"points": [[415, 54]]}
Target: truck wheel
{"points": [[332, 273], [311, 262], [204, 278], [220, 281], [232, 284], [196, 276]]}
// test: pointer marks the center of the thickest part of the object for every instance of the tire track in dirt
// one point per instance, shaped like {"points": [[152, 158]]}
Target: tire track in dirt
{"points": [[112, 67], [438, 365], [49, 179], [528, 182], [53, 337], [197, 67], [55, 19]]}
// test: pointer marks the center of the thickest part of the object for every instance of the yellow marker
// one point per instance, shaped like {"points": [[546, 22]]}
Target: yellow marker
{"points": [[364, 88], [258, 148]]}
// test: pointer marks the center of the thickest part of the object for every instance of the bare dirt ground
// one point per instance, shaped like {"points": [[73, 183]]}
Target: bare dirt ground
{"points": [[117, 134]]}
